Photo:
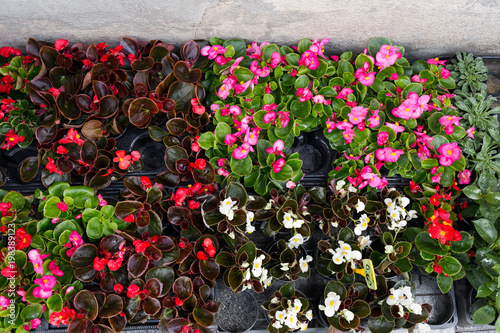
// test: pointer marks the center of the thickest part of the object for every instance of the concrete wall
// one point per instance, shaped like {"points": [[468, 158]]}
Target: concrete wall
{"points": [[425, 28]]}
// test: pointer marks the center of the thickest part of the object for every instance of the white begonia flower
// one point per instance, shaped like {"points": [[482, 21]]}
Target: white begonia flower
{"points": [[248, 276], [304, 267], [284, 266], [412, 214], [257, 266], [249, 227], [342, 192], [245, 264], [389, 249], [280, 316], [296, 241], [394, 214], [288, 220], [416, 308], [404, 201], [231, 235], [401, 311], [309, 315], [303, 325], [277, 325], [270, 204], [291, 320], [298, 223], [265, 280], [335, 224], [364, 242], [344, 248], [363, 224], [390, 204], [227, 208], [351, 188], [340, 184], [353, 255], [423, 328], [274, 300], [360, 206], [332, 304], [348, 315], [251, 198], [297, 305], [391, 300], [338, 258]]}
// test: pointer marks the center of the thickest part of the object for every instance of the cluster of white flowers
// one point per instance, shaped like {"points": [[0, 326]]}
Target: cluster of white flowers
{"points": [[364, 242], [227, 207], [291, 220], [344, 253], [288, 316], [249, 228], [398, 215], [295, 241], [303, 263], [256, 271], [332, 305], [403, 298], [340, 186], [362, 225]]}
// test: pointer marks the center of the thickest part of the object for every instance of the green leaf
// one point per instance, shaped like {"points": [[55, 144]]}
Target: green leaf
{"points": [[55, 302], [239, 47], [221, 131], [464, 244], [241, 167], [450, 265], [31, 312], [425, 243], [284, 175], [80, 194], [486, 229], [484, 315], [300, 109], [473, 192], [376, 43], [207, 140], [444, 282], [429, 163], [243, 74]]}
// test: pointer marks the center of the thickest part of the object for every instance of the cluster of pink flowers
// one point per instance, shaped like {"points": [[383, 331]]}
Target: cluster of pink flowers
{"points": [[387, 56], [310, 57], [47, 281], [412, 107]]}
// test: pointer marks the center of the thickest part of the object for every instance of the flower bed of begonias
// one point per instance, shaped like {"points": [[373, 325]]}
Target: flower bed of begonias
{"points": [[227, 114]]}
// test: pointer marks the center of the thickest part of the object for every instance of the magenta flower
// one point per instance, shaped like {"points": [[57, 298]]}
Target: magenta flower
{"points": [[357, 115], [277, 165], [46, 283], [449, 153], [448, 122], [102, 202], [69, 289], [230, 139], [436, 61], [277, 148], [348, 134], [304, 94], [321, 99], [252, 137], [343, 125], [444, 73], [62, 206], [394, 76], [319, 47], [235, 64], [37, 260], [420, 103], [330, 125], [221, 162], [269, 117], [255, 51], [310, 60], [423, 152], [351, 157], [364, 76], [290, 184], [369, 178], [387, 56], [284, 117], [54, 220], [222, 172], [406, 109], [34, 323], [75, 239], [212, 51], [382, 138], [344, 93], [374, 119], [258, 70], [470, 132], [275, 59], [4, 302], [220, 60], [54, 269], [242, 151], [464, 177], [395, 127], [388, 154]]}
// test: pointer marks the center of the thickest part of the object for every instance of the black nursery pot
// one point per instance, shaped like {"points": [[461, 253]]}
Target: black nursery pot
{"points": [[238, 313]]}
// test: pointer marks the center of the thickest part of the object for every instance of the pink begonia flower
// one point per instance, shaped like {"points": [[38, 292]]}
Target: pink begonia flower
{"points": [[252, 137], [464, 177], [37, 260], [69, 289], [54, 220], [275, 59], [436, 178], [357, 115], [229, 139], [470, 132], [269, 117], [420, 103], [388, 154], [4, 302], [221, 162], [102, 202], [256, 69], [54, 269], [423, 152], [239, 88], [395, 127], [330, 125], [290, 184], [267, 89], [387, 56], [62, 206], [304, 94], [405, 110], [212, 51], [223, 91], [351, 157], [284, 117], [351, 103], [448, 122], [321, 99], [364, 76], [344, 93], [277, 165], [242, 151], [374, 119], [369, 178], [382, 138], [348, 134], [277, 148], [436, 61], [343, 125], [220, 60], [235, 65], [255, 51], [75, 239], [222, 172], [21, 292], [269, 107], [34, 323], [394, 76], [318, 47], [46, 283], [444, 73], [214, 107], [449, 153], [310, 60]]}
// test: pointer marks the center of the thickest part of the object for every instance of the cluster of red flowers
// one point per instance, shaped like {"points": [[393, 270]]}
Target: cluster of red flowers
{"points": [[113, 260], [134, 290], [6, 107], [11, 139], [184, 192], [23, 239], [441, 227], [7, 51], [6, 84], [5, 209], [62, 317], [209, 248], [124, 160], [189, 329]]}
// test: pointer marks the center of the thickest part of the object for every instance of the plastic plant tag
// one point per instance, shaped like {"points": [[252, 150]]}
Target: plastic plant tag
{"points": [[369, 273]]}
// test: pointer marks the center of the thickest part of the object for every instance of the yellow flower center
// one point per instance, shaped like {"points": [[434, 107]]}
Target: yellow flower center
{"points": [[449, 152]]}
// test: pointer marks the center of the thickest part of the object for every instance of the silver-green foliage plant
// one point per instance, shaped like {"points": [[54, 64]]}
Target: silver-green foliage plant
{"points": [[468, 72]]}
